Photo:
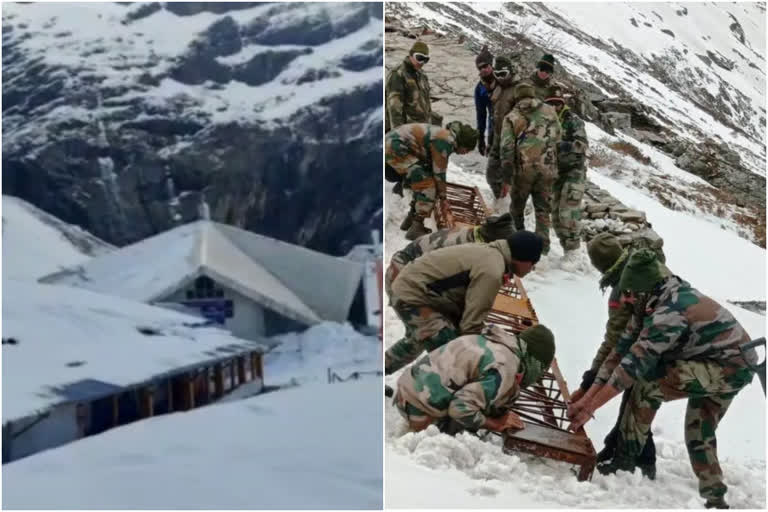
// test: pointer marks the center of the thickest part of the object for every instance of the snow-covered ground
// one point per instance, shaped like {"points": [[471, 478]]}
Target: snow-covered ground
{"points": [[429, 469], [307, 356], [316, 446]]}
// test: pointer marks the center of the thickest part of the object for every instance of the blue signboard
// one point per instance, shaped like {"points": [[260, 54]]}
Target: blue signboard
{"points": [[217, 310]]}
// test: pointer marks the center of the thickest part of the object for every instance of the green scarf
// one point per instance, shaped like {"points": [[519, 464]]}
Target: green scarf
{"points": [[530, 366], [612, 275]]}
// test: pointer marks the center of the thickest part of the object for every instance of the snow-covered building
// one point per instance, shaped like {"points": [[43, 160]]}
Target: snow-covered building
{"points": [[367, 303], [253, 285], [76, 363]]}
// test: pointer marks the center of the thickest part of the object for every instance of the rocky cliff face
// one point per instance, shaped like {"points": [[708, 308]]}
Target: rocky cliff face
{"points": [[123, 118], [697, 94]]}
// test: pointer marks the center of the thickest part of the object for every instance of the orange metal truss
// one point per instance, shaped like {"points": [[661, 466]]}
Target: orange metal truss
{"points": [[543, 405]]}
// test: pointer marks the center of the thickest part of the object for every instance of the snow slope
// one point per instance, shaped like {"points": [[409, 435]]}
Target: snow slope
{"points": [[699, 68], [82, 35], [316, 447], [47, 243], [466, 472], [306, 357]]}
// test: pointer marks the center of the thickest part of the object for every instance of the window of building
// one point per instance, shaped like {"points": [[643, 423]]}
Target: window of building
{"points": [[204, 288]]}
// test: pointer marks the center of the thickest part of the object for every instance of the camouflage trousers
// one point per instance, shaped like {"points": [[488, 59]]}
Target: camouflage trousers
{"points": [[709, 387], [567, 207], [534, 181], [417, 419], [421, 180], [425, 329], [394, 268], [493, 172]]}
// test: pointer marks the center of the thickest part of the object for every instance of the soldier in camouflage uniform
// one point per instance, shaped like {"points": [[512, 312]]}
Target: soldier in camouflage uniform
{"points": [[419, 153], [407, 91], [529, 136], [541, 78], [687, 347], [474, 379], [450, 291], [572, 174], [494, 228], [502, 101], [609, 258]]}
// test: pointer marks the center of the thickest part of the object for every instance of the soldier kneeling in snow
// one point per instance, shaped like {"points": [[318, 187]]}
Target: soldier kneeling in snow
{"points": [[688, 347], [473, 379]]}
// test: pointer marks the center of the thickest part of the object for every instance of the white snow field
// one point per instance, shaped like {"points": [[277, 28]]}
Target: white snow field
{"points": [[312, 447], [433, 470]]}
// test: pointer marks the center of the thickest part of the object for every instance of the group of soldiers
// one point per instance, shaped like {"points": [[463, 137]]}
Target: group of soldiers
{"points": [[536, 145], [664, 340]]}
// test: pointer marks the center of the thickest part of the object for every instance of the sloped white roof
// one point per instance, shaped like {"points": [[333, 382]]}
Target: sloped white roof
{"points": [[46, 243], [304, 285], [71, 343]]}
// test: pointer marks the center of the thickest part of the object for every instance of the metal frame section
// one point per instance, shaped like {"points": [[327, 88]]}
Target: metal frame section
{"points": [[542, 406], [464, 206]]}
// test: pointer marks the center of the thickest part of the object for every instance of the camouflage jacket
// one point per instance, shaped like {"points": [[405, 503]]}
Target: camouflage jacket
{"points": [[529, 135], [572, 150], [618, 314], [460, 282], [437, 240], [469, 378], [679, 323], [420, 144], [407, 96], [502, 101]]}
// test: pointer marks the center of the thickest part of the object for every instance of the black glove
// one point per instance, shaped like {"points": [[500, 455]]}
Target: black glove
{"points": [[587, 379], [564, 146], [398, 188], [481, 144]]}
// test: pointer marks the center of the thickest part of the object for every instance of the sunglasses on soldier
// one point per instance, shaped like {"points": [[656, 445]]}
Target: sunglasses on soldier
{"points": [[483, 66], [421, 58], [501, 74]]}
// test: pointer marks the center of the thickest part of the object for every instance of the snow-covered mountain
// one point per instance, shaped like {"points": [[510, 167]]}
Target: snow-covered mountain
{"points": [[118, 117], [687, 78], [36, 243]]}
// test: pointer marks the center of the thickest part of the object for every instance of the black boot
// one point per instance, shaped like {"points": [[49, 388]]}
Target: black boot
{"points": [[407, 221], [618, 463], [398, 188], [417, 229], [647, 459], [716, 503], [388, 391]]}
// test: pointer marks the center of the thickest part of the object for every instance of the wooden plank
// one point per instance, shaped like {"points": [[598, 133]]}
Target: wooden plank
{"points": [[241, 369], [189, 386], [218, 378], [147, 402], [170, 395], [553, 438]]}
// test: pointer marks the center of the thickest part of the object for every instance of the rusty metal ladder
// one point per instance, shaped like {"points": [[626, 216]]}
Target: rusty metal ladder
{"points": [[543, 405]]}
